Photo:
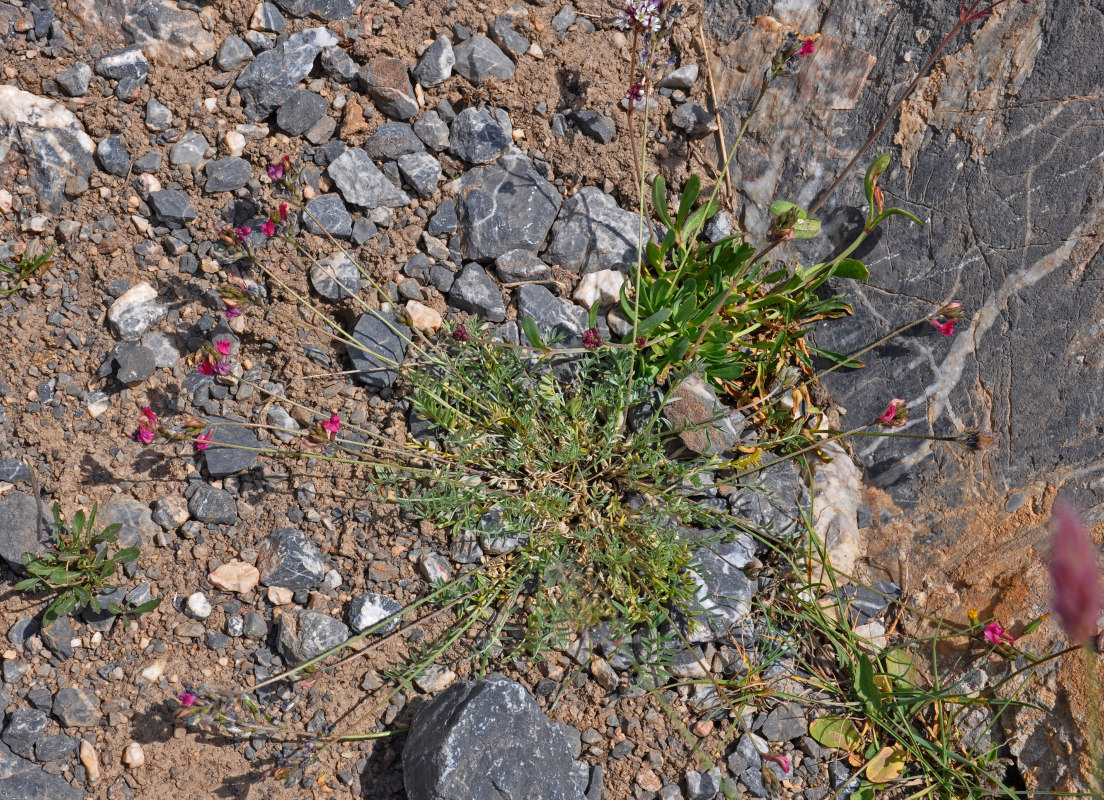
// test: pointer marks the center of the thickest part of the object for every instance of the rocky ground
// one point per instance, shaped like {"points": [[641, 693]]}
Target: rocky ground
{"points": [[477, 162]]}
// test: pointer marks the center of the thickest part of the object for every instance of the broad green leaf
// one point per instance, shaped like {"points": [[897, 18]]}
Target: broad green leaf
{"points": [[864, 684], [78, 523], [703, 214], [529, 325], [729, 372], [851, 268], [126, 555], [887, 765], [659, 201], [806, 228], [776, 276], [28, 584], [149, 605], [779, 207], [653, 322], [689, 195], [836, 732]]}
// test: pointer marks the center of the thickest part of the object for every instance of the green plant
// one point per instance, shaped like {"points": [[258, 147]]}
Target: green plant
{"points": [[24, 268], [79, 567]]}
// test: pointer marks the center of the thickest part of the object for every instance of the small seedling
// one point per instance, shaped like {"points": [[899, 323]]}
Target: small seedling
{"points": [[24, 268], [79, 567]]}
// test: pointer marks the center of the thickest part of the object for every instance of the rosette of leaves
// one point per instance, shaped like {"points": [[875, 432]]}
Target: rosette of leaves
{"points": [[78, 567]]}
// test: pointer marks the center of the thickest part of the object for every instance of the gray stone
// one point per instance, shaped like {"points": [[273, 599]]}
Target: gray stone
{"points": [[368, 609], [14, 470], [335, 277], [474, 291], [775, 502], [227, 175], [718, 227], [58, 636], [277, 417], [25, 727], [327, 214], [785, 722], [339, 65], [564, 19], [233, 448], [300, 111], [521, 265], [434, 568], [76, 708], [864, 603], [135, 312], [233, 53], [190, 150], [132, 363], [172, 207], [55, 748], [682, 78], [165, 351], [693, 120], [19, 530], [391, 140], [267, 18], [158, 115], [275, 73], [150, 162], [380, 347], [703, 785], [21, 780], [130, 62], [422, 171], [478, 59], [703, 424], [57, 151], [254, 626], [722, 607], [432, 130], [436, 63], [488, 740], [595, 124], [592, 233], [504, 207], [554, 315], [210, 504], [477, 137], [503, 34], [288, 559], [386, 81], [362, 184], [74, 81], [329, 10], [103, 620], [303, 635], [444, 220]]}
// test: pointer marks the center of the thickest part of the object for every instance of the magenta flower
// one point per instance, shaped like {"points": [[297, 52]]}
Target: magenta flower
{"points": [[206, 368], [1075, 574], [332, 425], [895, 415], [143, 435], [233, 311], [243, 232], [283, 211], [275, 171], [203, 441], [995, 634], [220, 368], [223, 346], [147, 412], [946, 328], [592, 339], [780, 760], [269, 227], [807, 48], [187, 699]]}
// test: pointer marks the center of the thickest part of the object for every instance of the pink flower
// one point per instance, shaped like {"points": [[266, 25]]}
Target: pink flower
{"points": [[275, 171], [333, 425], [187, 699], [220, 368], [243, 232], [592, 339], [952, 310], [895, 415], [995, 634], [946, 328], [269, 227], [147, 412], [1075, 574], [206, 367], [143, 435], [283, 211], [223, 346], [807, 48], [780, 760], [203, 441], [233, 311]]}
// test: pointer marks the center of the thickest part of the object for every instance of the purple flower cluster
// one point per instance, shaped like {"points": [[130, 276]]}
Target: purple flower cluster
{"points": [[640, 15]]}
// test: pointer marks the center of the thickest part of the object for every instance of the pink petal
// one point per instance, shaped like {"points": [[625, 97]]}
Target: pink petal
{"points": [[1075, 574]]}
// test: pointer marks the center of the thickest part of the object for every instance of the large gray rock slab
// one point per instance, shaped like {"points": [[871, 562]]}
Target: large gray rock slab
{"points": [[22, 780], [488, 740], [362, 183], [274, 74], [504, 207], [594, 233], [51, 143], [477, 137], [19, 529]]}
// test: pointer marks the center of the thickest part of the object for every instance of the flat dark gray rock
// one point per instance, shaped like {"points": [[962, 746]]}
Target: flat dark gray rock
{"points": [[593, 233], [233, 448], [380, 347], [18, 529]]}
